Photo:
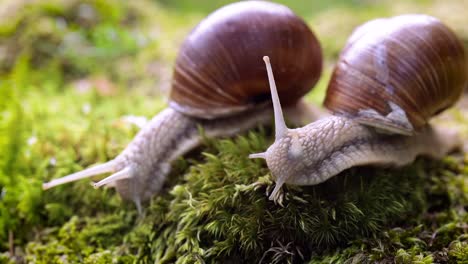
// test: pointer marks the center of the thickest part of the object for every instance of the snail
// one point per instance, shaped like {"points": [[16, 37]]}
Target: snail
{"points": [[392, 76], [219, 84]]}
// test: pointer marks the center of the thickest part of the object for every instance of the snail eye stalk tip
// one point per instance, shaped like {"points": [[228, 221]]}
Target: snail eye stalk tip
{"points": [[280, 125]]}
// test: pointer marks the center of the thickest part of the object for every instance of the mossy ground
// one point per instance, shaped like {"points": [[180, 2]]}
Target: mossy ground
{"points": [[77, 78]]}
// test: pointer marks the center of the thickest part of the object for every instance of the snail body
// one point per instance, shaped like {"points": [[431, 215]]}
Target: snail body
{"points": [[391, 78], [218, 84]]}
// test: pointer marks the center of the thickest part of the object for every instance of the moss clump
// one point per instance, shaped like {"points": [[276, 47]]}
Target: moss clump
{"points": [[86, 240], [220, 212], [458, 250], [217, 212], [438, 235]]}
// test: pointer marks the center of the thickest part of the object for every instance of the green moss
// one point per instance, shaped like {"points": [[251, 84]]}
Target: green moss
{"points": [[88, 240], [31, 154], [214, 208], [430, 237], [220, 211], [458, 251], [76, 37]]}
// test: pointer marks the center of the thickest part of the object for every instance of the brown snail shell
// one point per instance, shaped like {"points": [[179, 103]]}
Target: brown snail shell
{"points": [[219, 70], [412, 63]]}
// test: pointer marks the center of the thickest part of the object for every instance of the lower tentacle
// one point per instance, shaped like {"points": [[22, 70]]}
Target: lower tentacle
{"points": [[110, 166]]}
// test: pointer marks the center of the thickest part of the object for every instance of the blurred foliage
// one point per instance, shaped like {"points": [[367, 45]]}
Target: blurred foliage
{"points": [[76, 39], [300, 7], [74, 34], [74, 75]]}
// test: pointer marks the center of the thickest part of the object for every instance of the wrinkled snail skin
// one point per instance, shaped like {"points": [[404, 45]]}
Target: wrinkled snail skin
{"points": [[312, 154], [168, 136], [392, 77], [218, 85]]}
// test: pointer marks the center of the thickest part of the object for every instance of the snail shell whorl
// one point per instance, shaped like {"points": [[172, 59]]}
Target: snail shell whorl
{"points": [[219, 70], [412, 61]]}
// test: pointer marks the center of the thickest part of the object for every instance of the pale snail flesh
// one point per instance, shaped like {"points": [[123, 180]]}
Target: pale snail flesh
{"points": [[381, 103], [219, 84]]}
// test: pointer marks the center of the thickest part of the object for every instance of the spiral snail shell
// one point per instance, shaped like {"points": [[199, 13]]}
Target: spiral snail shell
{"points": [[392, 76], [218, 71], [219, 83], [409, 62]]}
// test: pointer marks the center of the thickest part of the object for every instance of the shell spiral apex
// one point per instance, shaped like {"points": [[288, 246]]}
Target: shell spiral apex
{"points": [[396, 73]]}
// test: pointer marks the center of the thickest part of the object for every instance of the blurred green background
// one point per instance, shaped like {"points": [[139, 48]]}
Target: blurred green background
{"points": [[77, 80]]}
